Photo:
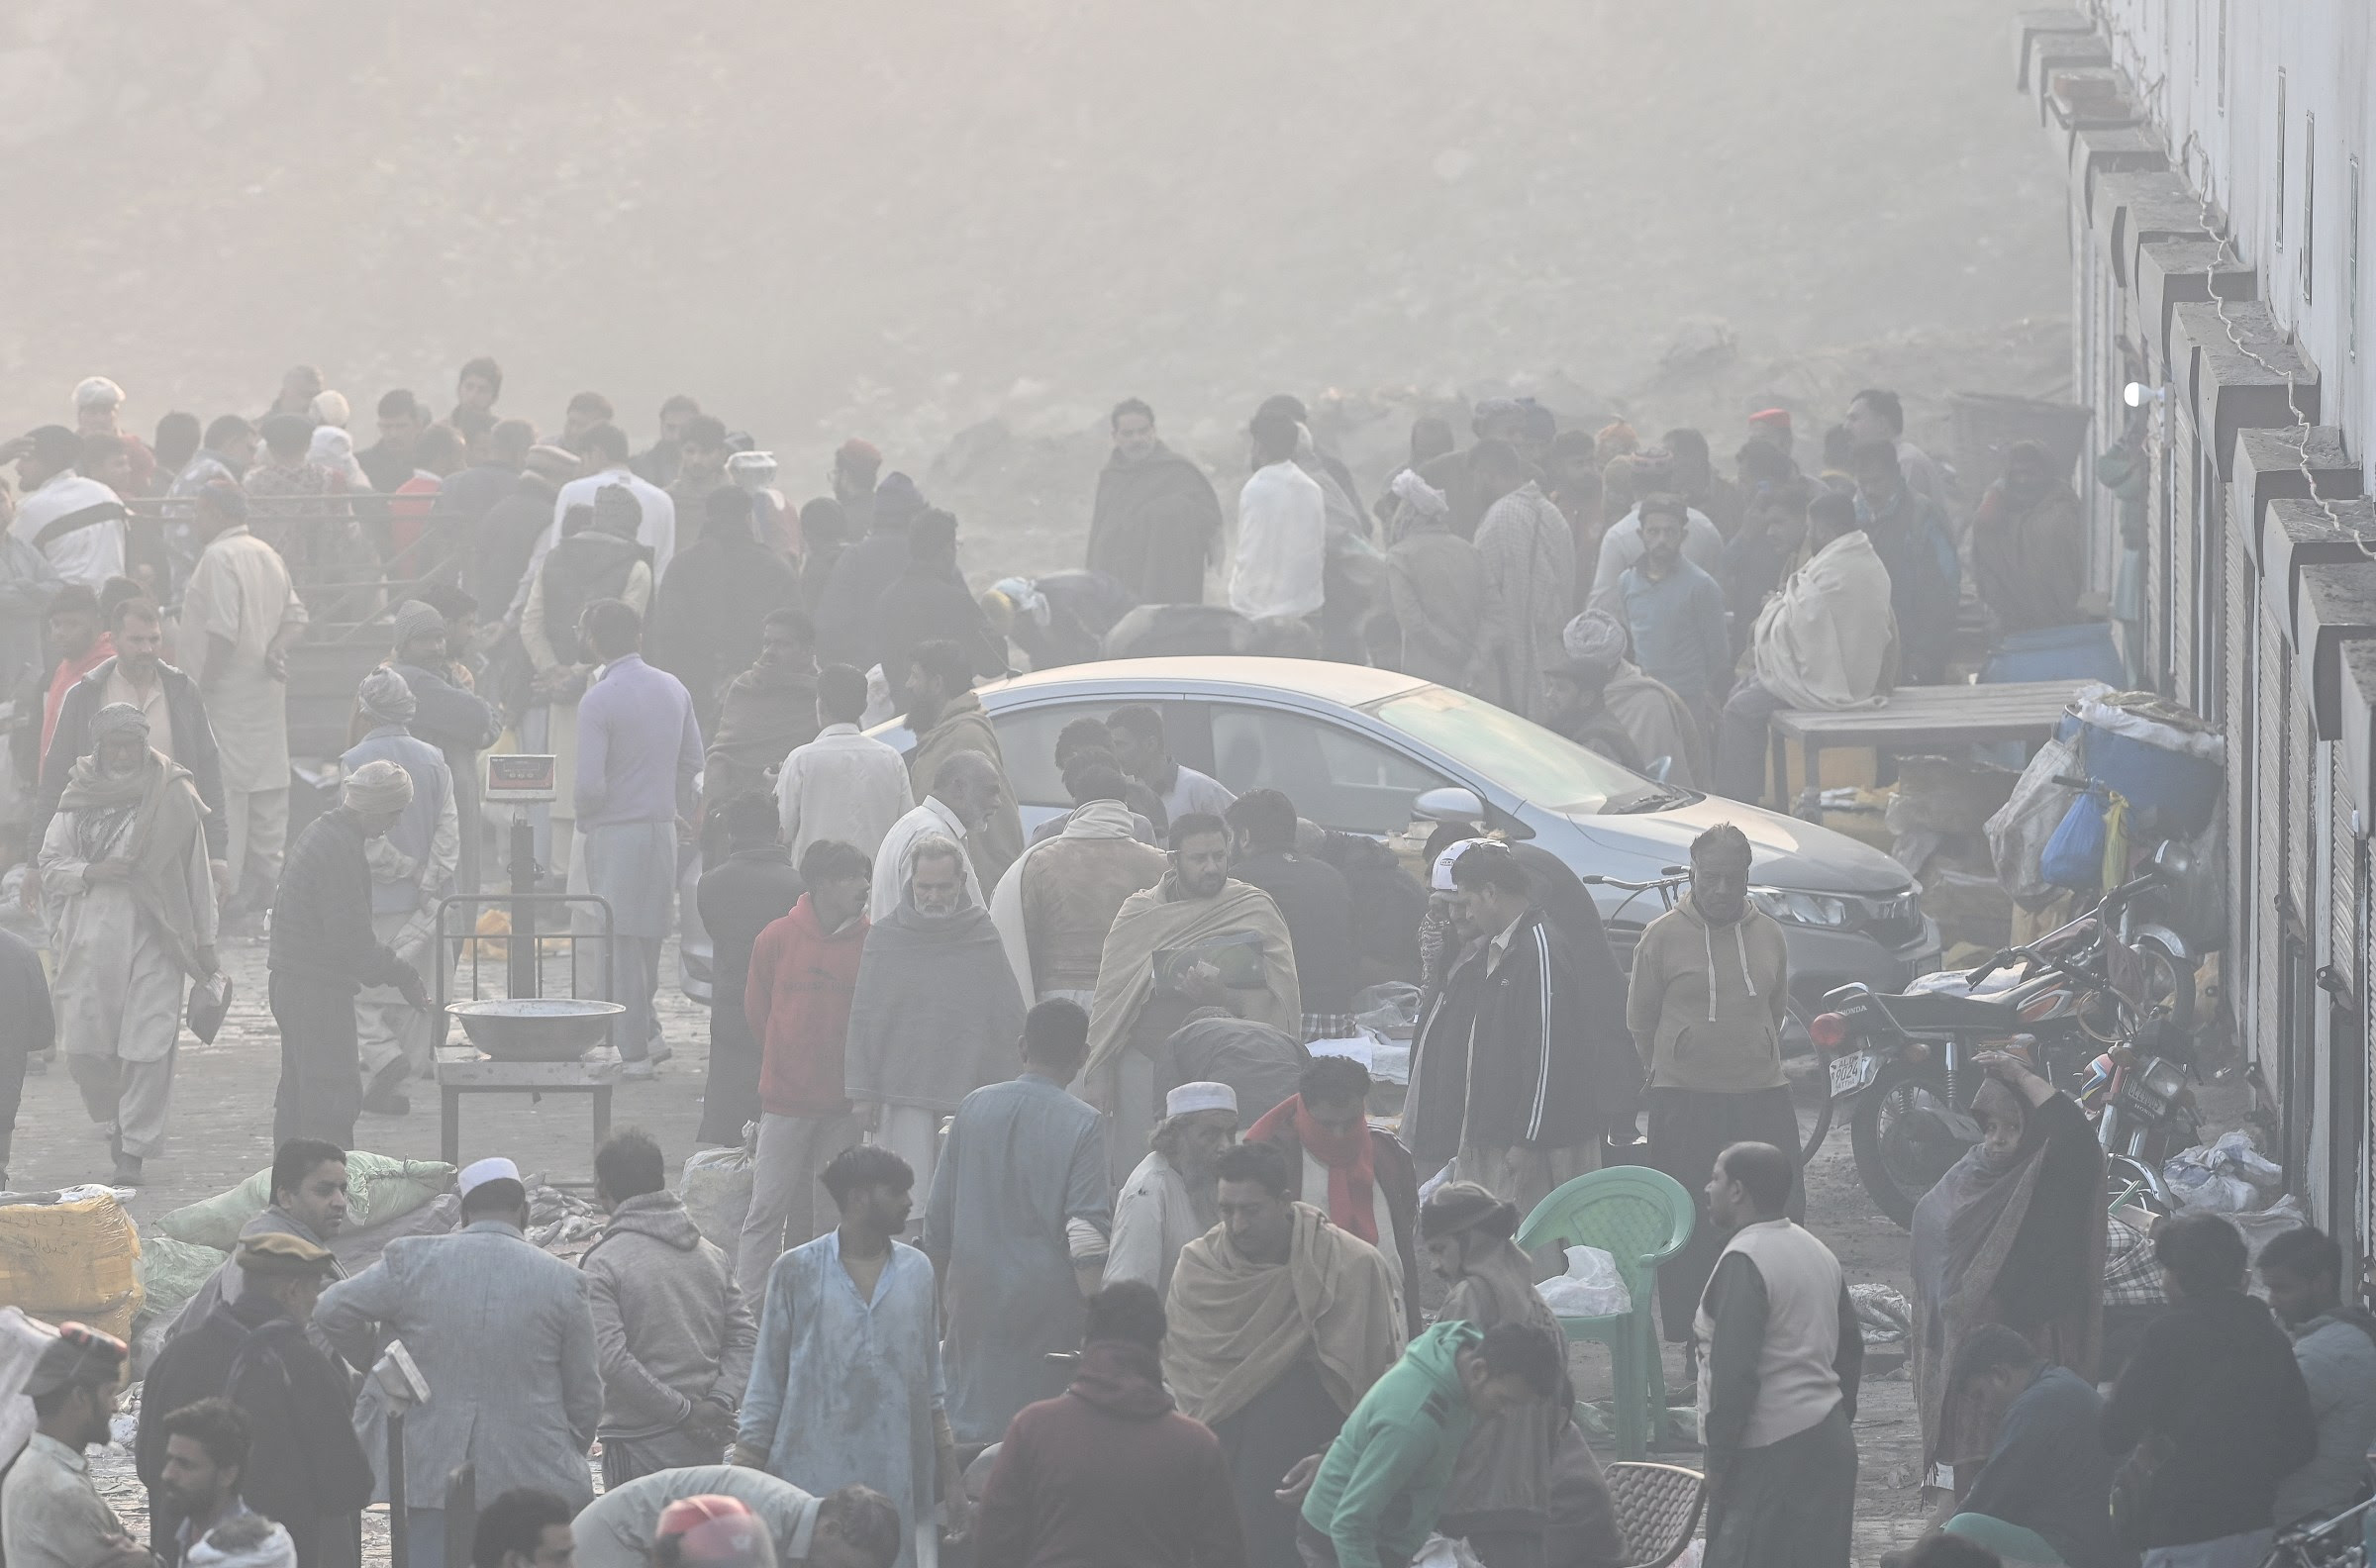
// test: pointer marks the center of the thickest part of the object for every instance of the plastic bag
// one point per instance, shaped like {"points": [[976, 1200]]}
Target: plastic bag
{"points": [[77, 1258], [2019, 832], [715, 1187], [2227, 1177], [171, 1272], [2074, 856], [378, 1189], [1883, 1316], [1591, 1286]]}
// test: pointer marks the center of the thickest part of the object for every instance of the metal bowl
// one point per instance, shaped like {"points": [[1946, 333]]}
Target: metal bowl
{"points": [[536, 1029]]}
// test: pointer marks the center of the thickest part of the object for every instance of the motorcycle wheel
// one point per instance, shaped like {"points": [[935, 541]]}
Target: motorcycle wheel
{"points": [[1894, 1165], [2169, 981]]}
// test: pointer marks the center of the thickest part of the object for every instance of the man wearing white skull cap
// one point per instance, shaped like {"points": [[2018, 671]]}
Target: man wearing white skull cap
{"points": [[1170, 1200]]}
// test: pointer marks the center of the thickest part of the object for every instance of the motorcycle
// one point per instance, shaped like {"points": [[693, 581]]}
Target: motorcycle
{"points": [[1902, 1067]]}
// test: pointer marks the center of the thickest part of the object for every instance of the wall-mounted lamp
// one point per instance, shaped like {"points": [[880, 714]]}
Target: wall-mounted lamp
{"points": [[2136, 394]]}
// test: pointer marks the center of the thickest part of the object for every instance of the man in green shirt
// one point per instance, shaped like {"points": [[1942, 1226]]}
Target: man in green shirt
{"points": [[1375, 1498]]}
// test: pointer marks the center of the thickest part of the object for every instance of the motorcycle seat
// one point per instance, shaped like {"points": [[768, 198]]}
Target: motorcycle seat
{"points": [[1920, 1010]]}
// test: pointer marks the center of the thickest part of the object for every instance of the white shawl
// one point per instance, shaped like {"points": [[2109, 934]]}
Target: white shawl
{"points": [[1096, 820], [1828, 640]]}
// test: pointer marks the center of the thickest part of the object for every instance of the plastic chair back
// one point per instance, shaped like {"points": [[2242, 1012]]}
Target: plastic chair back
{"points": [[1658, 1507], [1639, 1216]]}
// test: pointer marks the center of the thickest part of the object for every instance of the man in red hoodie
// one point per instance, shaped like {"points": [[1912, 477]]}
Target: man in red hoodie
{"points": [[804, 969], [1108, 1471]]}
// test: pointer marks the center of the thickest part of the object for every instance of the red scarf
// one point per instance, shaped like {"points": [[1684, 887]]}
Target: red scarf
{"points": [[1352, 1177]]}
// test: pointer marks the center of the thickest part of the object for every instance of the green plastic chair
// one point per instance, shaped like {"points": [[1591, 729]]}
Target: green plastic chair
{"points": [[1641, 1217]]}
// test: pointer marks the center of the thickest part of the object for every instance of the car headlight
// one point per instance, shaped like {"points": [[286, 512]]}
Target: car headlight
{"points": [[1793, 907]]}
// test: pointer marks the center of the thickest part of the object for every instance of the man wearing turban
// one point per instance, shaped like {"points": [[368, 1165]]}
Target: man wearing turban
{"points": [[130, 904], [412, 868], [323, 950]]}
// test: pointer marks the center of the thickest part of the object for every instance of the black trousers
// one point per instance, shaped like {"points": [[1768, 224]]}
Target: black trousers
{"points": [[321, 1087], [1689, 1128]]}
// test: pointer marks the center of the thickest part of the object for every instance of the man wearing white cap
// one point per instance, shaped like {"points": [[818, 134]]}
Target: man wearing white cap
{"points": [[323, 950], [1169, 1200], [98, 402], [502, 1335]]}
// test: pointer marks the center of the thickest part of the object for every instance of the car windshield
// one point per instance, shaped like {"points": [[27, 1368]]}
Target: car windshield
{"points": [[1540, 767]]}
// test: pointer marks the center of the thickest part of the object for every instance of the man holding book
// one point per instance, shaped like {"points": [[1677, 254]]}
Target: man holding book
{"points": [[1197, 938]]}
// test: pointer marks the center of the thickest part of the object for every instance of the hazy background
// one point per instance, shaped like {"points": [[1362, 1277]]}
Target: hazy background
{"points": [[908, 220]]}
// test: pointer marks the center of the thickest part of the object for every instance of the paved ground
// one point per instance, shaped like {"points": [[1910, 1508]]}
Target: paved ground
{"points": [[220, 1128]]}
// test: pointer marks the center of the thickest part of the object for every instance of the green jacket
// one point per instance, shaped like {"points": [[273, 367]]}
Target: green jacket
{"points": [[1384, 1478]]}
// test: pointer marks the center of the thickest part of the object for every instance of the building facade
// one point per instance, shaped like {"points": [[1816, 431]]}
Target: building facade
{"points": [[2221, 342]]}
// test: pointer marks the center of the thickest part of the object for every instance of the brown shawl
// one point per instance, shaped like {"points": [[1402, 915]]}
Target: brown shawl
{"points": [[164, 821], [1238, 1326], [1160, 918]]}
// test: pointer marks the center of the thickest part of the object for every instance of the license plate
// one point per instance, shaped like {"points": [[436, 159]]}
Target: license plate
{"points": [[1852, 1072]]}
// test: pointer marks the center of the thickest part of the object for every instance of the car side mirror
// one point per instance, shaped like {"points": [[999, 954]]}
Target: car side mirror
{"points": [[1451, 803]]}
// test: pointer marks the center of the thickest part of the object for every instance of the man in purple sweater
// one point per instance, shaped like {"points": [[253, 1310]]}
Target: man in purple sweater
{"points": [[639, 749]]}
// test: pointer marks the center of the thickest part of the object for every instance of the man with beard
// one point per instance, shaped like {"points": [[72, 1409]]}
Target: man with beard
{"points": [[708, 613], [323, 950], [701, 453], [1281, 1321], [868, 564], [2029, 566], [664, 459], [639, 751], [1527, 557], [947, 718], [1171, 1200], [1017, 1225], [1055, 903], [131, 903], [936, 1010], [1155, 520], [412, 869], [1434, 583], [1655, 722], [1911, 536], [1358, 1175], [50, 1516], [1675, 613], [1164, 958], [928, 600], [956, 809], [388, 461]]}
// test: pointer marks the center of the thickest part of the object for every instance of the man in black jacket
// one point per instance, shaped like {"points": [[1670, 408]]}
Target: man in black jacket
{"points": [[928, 600], [1311, 898], [1536, 1105], [305, 1467], [755, 885], [323, 950], [25, 1001], [707, 612], [2213, 1406], [138, 675]]}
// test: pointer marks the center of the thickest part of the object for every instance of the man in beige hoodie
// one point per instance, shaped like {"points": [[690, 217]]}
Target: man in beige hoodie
{"points": [[1711, 979]]}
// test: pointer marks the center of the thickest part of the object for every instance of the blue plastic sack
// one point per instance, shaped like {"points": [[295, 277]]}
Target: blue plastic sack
{"points": [[2074, 855]]}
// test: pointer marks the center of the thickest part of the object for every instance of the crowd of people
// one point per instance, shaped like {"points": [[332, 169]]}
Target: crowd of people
{"points": [[1073, 1236]]}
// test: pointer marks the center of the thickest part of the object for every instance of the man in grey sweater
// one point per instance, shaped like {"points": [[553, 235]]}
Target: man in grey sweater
{"points": [[2303, 1271], [672, 1332]]}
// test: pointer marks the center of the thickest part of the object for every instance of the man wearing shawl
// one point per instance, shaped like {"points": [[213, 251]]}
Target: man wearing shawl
{"points": [[935, 1013], [764, 715], [1828, 639], [947, 718], [708, 615], [1526, 556], [1281, 1321], [131, 903], [2013, 1234], [1056, 905], [240, 615], [1525, 1475], [1155, 520], [597, 557], [1016, 1226], [1435, 582], [1357, 1175], [1160, 963], [1658, 722], [323, 950], [412, 868]]}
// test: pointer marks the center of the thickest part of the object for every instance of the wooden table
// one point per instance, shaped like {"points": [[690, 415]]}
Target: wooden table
{"points": [[1917, 719], [471, 1073]]}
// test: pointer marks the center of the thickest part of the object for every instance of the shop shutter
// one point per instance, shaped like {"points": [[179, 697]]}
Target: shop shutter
{"points": [[2342, 876], [2185, 537], [2238, 715], [2268, 846], [2297, 806]]}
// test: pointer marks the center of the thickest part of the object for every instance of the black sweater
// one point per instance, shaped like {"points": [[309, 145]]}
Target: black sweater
{"points": [[2215, 1376], [322, 912]]}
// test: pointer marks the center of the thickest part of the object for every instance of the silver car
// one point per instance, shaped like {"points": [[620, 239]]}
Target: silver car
{"points": [[1357, 749]]}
